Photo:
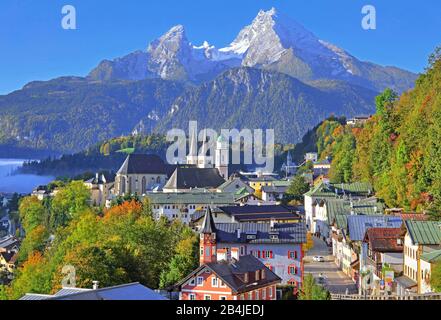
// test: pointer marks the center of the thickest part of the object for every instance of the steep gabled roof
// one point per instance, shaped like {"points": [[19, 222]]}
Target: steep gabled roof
{"points": [[424, 232], [384, 239], [234, 184], [432, 257], [255, 212], [196, 198], [337, 207], [208, 224], [258, 233], [322, 190], [358, 225], [144, 164], [9, 242], [232, 274], [9, 257], [355, 189], [192, 177]]}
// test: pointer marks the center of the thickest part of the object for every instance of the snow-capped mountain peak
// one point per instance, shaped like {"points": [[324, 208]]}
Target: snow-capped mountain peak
{"points": [[272, 41]]}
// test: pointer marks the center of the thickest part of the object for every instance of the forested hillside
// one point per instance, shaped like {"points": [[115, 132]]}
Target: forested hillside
{"points": [[105, 156], [123, 244], [69, 114], [399, 149]]}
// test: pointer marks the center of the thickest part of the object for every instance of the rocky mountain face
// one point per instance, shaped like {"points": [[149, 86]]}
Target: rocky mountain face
{"points": [[272, 41], [259, 99], [171, 57]]}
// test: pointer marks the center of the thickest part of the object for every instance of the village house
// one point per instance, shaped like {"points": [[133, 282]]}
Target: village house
{"points": [[181, 206], [226, 274], [311, 157], [421, 237], [427, 262], [384, 254], [9, 244], [187, 178], [9, 247], [278, 245], [326, 191], [357, 226], [257, 180], [244, 197], [274, 193], [251, 213], [234, 185], [321, 168], [327, 210], [7, 261], [358, 121], [41, 192], [100, 188]]}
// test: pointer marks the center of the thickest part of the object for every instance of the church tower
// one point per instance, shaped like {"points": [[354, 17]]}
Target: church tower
{"points": [[192, 158], [207, 240], [222, 157], [204, 160]]}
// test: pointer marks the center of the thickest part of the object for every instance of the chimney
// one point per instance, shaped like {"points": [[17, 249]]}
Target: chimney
{"points": [[235, 254], [273, 223], [95, 285], [222, 255], [263, 274]]}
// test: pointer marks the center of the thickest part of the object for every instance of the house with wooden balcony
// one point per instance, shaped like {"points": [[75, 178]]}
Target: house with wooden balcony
{"points": [[384, 251]]}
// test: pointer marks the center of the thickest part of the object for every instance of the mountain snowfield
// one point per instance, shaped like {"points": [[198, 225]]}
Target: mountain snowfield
{"points": [[273, 41]]}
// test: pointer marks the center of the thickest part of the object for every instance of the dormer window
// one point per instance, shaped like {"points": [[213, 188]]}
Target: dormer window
{"points": [[257, 275], [245, 278], [263, 274], [251, 236]]}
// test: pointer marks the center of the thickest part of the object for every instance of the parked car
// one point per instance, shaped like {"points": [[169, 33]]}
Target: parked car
{"points": [[319, 259], [321, 279]]}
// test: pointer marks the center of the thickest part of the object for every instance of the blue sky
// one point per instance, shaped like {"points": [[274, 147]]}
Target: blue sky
{"points": [[33, 46]]}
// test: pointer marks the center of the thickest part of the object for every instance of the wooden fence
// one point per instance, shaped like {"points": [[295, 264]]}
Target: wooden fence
{"points": [[434, 296]]}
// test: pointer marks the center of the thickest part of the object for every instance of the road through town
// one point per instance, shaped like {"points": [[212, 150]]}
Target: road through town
{"points": [[335, 280]]}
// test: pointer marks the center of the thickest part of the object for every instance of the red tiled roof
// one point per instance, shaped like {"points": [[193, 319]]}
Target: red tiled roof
{"points": [[384, 239], [414, 216]]}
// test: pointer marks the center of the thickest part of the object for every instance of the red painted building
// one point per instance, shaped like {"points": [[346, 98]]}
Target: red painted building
{"points": [[226, 275]]}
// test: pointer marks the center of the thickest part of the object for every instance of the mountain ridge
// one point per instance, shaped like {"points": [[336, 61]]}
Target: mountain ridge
{"points": [[261, 99], [273, 41]]}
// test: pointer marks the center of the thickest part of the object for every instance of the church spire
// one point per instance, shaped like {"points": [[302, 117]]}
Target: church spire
{"points": [[208, 225], [192, 157], [208, 253]]}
